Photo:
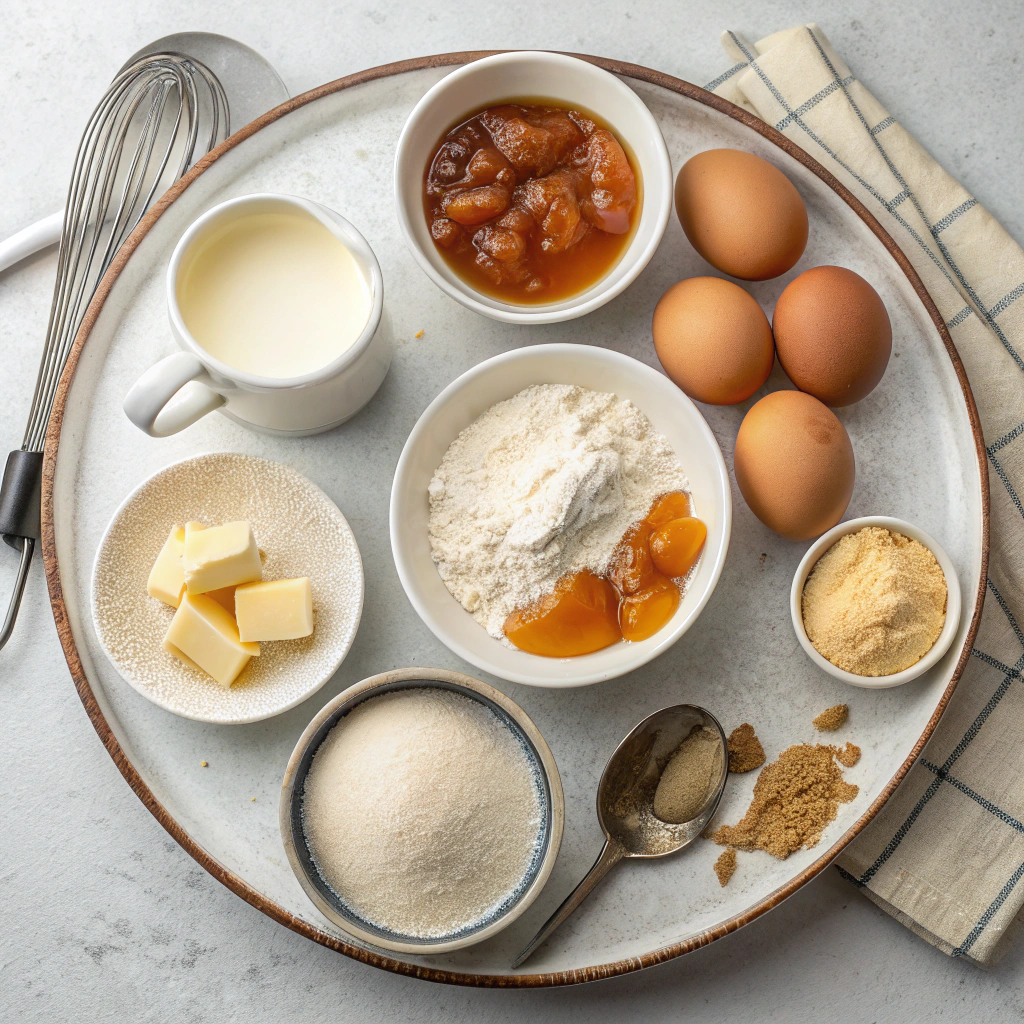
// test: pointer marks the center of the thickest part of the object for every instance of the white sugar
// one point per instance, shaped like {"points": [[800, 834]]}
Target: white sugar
{"points": [[423, 811]]}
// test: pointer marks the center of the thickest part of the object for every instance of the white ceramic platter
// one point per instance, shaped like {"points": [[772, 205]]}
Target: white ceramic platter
{"points": [[917, 458]]}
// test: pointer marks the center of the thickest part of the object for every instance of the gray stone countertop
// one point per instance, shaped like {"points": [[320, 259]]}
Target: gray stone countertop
{"points": [[102, 916]]}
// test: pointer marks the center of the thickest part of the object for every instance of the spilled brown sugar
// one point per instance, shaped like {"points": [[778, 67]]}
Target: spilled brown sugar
{"points": [[832, 718], [745, 750], [848, 756], [795, 799], [725, 866]]}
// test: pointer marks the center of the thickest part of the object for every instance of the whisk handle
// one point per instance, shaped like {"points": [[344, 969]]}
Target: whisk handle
{"points": [[31, 239], [19, 497], [154, 404]]}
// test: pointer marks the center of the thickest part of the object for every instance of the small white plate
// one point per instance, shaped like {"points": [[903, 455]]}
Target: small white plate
{"points": [[821, 545], [303, 534]]}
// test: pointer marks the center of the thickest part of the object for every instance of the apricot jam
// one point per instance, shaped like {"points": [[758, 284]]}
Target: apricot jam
{"points": [[530, 202], [586, 613], [579, 617], [676, 546], [642, 614]]}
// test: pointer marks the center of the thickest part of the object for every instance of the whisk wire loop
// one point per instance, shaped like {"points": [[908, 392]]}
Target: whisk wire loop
{"points": [[156, 119]]}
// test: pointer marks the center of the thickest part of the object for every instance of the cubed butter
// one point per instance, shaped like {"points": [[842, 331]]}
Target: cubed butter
{"points": [[220, 556], [207, 635], [171, 649], [275, 610], [225, 597], [167, 577]]}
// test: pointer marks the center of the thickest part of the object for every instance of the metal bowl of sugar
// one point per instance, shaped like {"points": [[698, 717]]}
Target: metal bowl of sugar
{"points": [[421, 811]]}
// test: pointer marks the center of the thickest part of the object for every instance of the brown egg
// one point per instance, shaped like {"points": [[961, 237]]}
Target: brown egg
{"points": [[832, 334], [743, 215], [794, 464], [713, 340]]}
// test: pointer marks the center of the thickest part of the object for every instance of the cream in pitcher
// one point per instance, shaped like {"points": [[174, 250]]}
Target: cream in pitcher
{"points": [[277, 305], [273, 294]]}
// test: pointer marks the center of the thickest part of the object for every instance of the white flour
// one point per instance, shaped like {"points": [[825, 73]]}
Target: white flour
{"points": [[543, 484], [422, 811]]}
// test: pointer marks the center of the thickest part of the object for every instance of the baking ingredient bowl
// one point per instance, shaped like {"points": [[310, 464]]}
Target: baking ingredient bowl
{"points": [[293, 835], [552, 78], [810, 559], [671, 413]]}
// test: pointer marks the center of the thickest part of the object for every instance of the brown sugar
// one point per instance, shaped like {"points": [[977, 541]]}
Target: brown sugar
{"points": [[725, 866], [832, 718], [848, 756], [875, 602], [795, 799], [689, 777], [745, 750]]}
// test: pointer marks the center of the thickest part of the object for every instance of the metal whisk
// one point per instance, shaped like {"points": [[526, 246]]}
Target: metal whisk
{"points": [[158, 117]]}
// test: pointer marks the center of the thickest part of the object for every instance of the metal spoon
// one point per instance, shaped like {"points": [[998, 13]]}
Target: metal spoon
{"points": [[625, 798]]}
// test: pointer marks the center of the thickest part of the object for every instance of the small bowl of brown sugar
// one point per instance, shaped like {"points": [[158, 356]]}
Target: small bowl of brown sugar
{"points": [[875, 602]]}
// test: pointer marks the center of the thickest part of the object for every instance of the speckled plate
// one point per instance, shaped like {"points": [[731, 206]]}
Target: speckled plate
{"points": [[301, 532], [919, 458]]}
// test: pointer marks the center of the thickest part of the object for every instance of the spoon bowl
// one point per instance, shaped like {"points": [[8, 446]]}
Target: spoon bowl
{"points": [[625, 802], [625, 795]]}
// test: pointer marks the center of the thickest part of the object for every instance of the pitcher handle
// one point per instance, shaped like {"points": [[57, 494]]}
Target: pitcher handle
{"points": [[154, 404]]}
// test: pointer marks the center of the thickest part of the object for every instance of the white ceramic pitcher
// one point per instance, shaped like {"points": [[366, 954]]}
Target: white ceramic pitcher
{"points": [[184, 387]]}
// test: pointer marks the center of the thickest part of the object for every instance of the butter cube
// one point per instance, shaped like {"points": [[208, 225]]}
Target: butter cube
{"points": [[171, 649], [167, 577], [208, 637], [225, 597], [275, 610], [220, 556]]}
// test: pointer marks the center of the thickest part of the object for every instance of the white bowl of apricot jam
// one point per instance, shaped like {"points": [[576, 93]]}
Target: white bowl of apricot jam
{"points": [[671, 414], [532, 187]]}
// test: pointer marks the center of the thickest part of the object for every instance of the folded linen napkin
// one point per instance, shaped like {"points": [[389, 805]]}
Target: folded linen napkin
{"points": [[945, 856]]}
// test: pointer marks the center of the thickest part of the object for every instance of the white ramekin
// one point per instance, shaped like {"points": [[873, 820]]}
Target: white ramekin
{"points": [[559, 79], [821, 545]]}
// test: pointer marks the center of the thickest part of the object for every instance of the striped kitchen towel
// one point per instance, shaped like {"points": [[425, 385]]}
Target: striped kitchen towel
{"points": [[945, 856]]}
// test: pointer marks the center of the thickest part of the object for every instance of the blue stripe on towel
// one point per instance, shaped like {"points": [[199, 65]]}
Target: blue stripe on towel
{"points": [[976, 797], [960, 317], [813, 102], [1006, 439], [1007, 300], [944, 222], [997, 466], [724, 77], [993, 909]]}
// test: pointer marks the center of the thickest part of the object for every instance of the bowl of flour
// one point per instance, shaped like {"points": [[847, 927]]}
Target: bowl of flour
{"points": [[532, 465]]}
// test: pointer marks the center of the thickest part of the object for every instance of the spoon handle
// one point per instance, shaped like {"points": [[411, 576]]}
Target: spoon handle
{"points": [[610, 856]]}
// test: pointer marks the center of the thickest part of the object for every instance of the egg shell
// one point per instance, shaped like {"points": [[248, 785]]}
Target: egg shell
{"points": [[794, 464], [742, 214], [832, 334], [713, 340]]}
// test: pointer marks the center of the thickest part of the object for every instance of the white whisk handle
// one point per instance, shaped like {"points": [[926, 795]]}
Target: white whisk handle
{"points": [[31, 239], [170, 396]]}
